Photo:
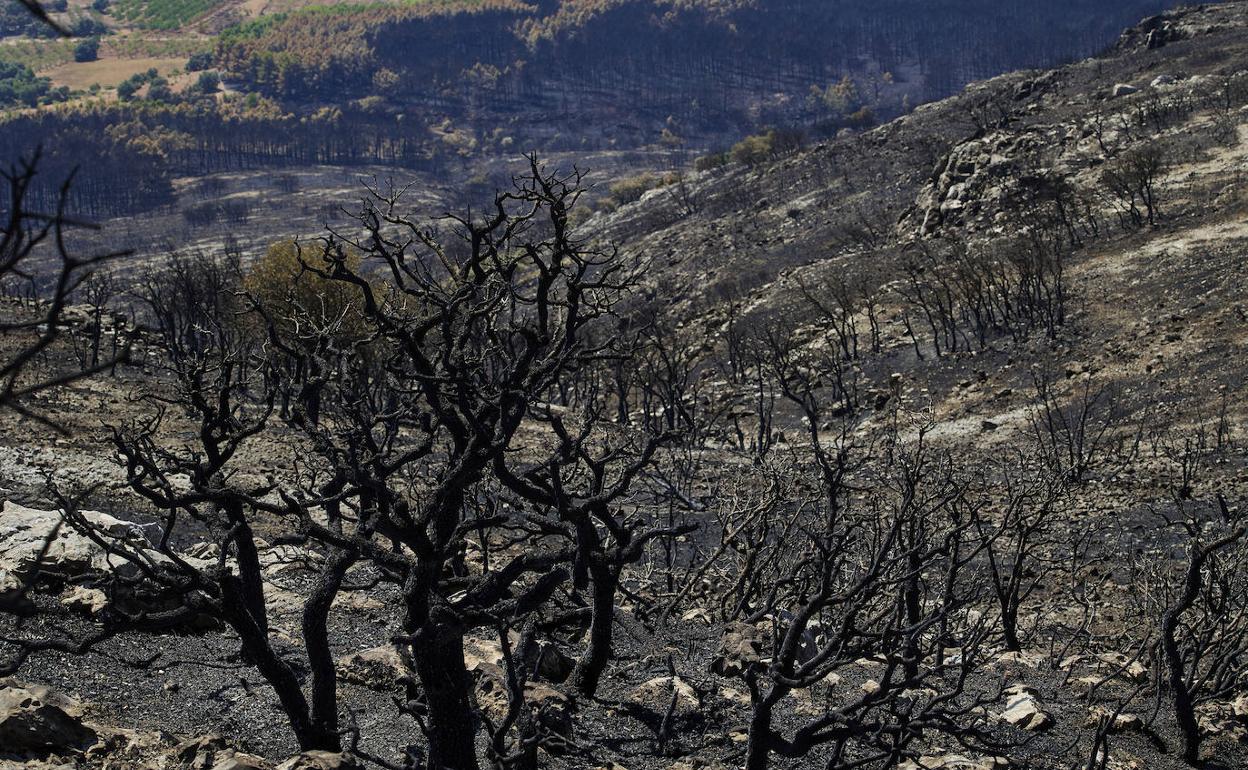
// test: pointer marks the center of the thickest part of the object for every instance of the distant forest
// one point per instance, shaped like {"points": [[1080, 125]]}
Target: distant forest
{"points": [[705, 60], [418, 84]]}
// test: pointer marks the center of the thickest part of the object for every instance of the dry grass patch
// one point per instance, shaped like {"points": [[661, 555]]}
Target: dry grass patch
{"points": [[109, 72]]}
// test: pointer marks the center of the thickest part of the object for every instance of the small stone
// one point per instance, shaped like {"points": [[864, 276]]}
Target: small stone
{"points": [[91, 601]]}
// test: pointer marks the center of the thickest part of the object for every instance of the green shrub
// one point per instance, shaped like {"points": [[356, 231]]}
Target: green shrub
{"points": [[199, 61], [19, 86], [760, 148], [630, 189], [87, 26], [863, 118], [754, 150], [208, 83], [87, 50], [712, 161]]}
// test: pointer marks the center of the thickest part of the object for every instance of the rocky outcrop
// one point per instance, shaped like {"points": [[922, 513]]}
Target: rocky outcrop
{"points": [[1154, 32], [35, 543], [35, 720], [973, 177]]}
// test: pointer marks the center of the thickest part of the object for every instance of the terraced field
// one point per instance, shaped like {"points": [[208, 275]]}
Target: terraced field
{"points": [[162, 14], [37, 54]]}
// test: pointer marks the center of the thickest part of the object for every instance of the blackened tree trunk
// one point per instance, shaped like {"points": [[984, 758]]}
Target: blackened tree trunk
{"points": [[324, 685], [250, 575], [758, 749], [593, 662], [438, 652], [1181, 693], [277, 672]]}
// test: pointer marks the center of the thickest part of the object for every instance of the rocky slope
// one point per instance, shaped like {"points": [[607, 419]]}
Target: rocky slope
{"points": [[1153, 313], [1150, 305]]}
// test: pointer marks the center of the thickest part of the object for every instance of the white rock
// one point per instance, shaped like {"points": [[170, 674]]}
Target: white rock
{"points": [[36, 718], [1021, 658], [379, 668], [1023, 710], [955, 762], [656, 695], [68, 554], [89, 600], [319, 760]]}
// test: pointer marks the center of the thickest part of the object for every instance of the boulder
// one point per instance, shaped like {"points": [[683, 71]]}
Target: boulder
{"points": [[378, 668], [37, 720], [740, 648], [41, 541], [1123, 666], [550, 707], [1021, 658], [1217, 718], [1121, 723], [358, 601], [122, 747], [481, 652], [697, 615], [553, 664], [656, 695], [1239, 707], [1123, 89], [242, 762], [320, 760], [1022, 710], [200, 753]]}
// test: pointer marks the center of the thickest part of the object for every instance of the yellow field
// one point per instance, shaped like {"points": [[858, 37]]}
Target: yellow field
{"points": [[109, 71]]}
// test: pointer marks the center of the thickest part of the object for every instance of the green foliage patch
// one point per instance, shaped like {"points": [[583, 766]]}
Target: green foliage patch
{"points": [[161, 14], [20, 87]]}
